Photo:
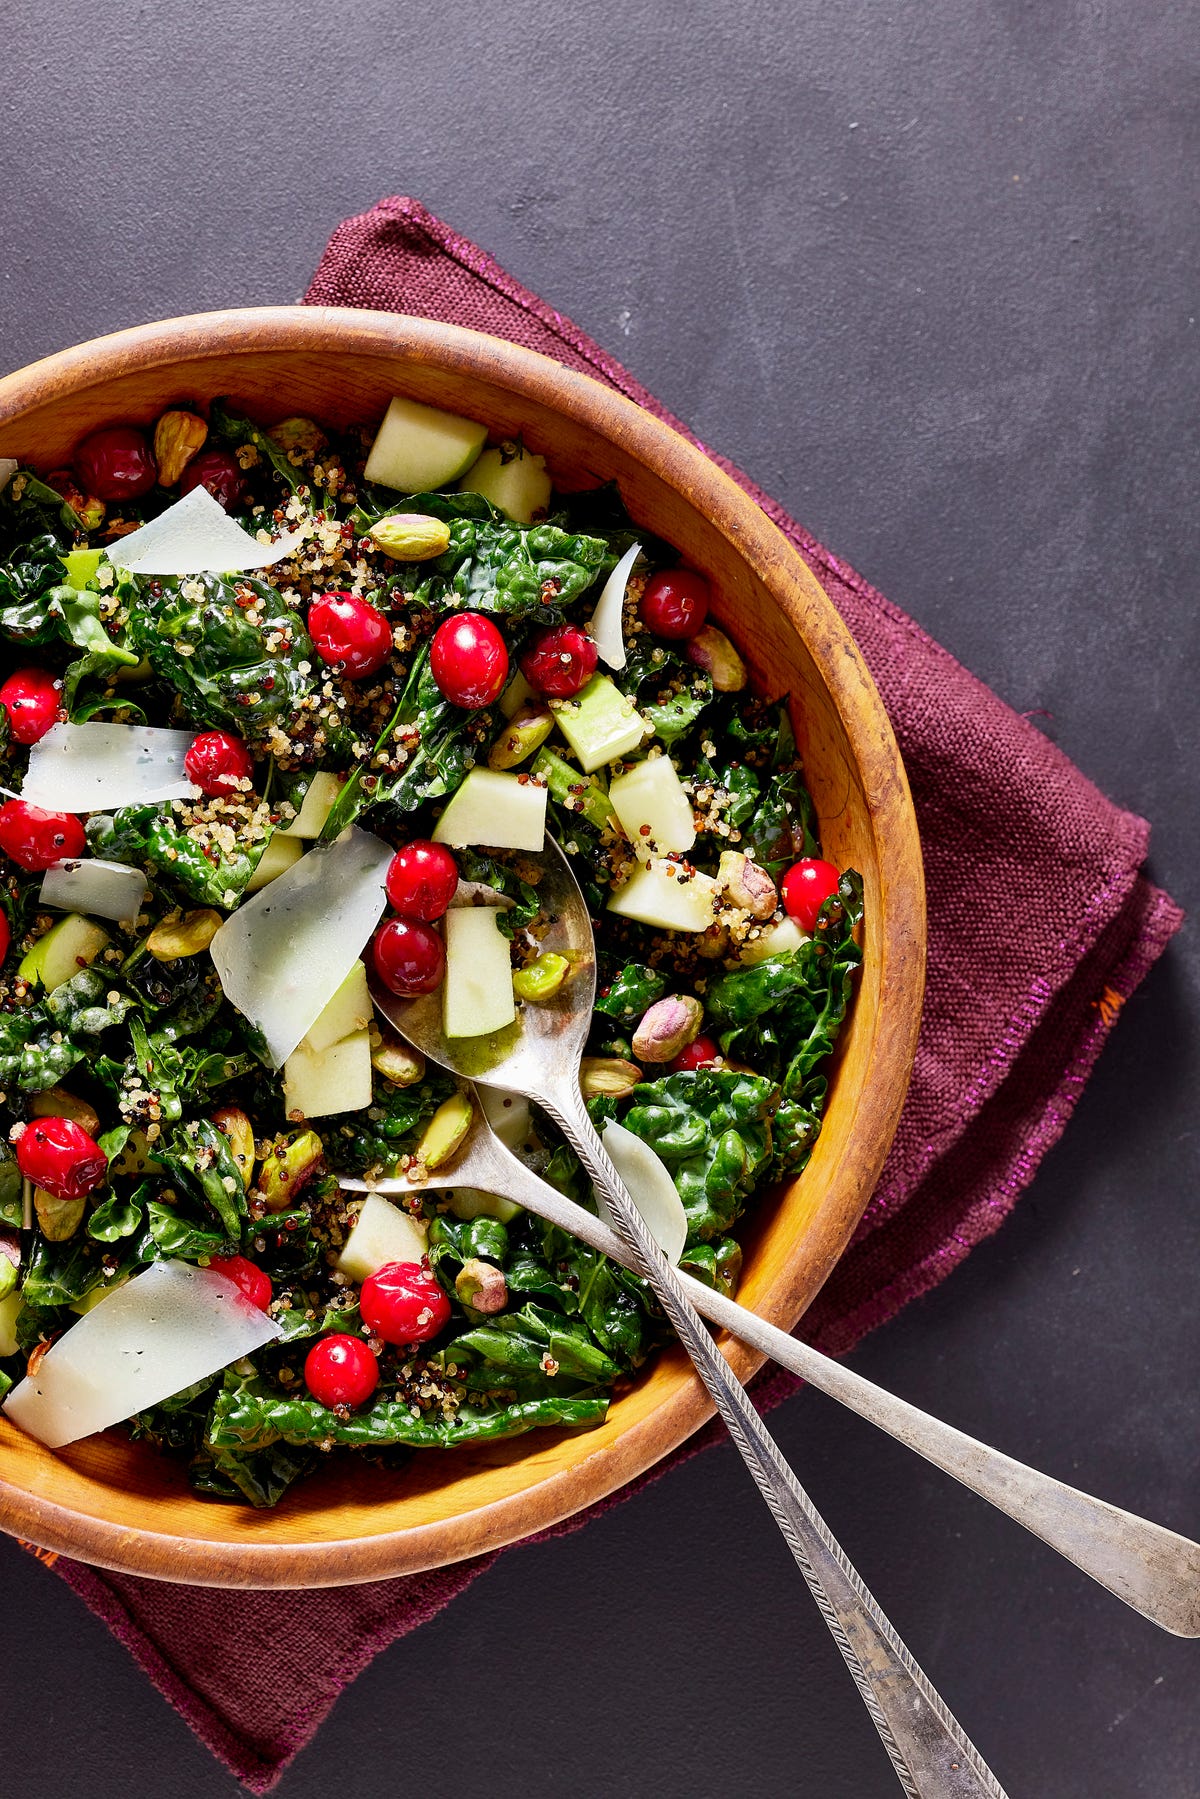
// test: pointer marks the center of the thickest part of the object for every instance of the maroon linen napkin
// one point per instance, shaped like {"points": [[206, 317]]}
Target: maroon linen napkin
{"points": [[1008, 824]]}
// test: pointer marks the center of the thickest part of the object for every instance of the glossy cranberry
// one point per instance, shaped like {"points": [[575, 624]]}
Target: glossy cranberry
{"points": [[469, 660], [37, 839], [31, 698], [421, 880], [248, 1276], [220, 472], [340, 1370], [216, 762], [402, 1303], [701, 1052], [349, 633], [58, 1154], [559, 661], [675, 604], [116, 463], [805, 888], [409, 958]]}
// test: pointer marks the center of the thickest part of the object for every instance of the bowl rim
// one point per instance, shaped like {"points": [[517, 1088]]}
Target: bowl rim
{"points": [[679, 463]]}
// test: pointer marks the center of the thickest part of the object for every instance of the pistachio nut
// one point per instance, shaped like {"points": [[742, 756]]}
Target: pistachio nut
{"points": [[482, 1286], [177, 437], [56, 1102], [668, 1026], [411, 536], [445, 1131], [541, 979], [395, 1061], [185, 936], [298, 436], [607, 1074], [747, 885], [712, 651], [233, 1123], [86, 507], [526, 731], [286, 1167], [57, 1218]]}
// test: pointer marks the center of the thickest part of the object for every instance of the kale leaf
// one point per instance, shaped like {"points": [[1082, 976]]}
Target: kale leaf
{"points": [[712, 1128], [390, 1126], [42, 1042], [152, 835]]}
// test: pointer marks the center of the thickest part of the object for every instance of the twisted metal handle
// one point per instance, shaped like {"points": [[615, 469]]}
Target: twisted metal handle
{"points": [[932, 1755]]}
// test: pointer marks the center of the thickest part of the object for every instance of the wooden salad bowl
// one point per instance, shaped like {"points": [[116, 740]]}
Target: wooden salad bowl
{"points": [[123, 1505]]}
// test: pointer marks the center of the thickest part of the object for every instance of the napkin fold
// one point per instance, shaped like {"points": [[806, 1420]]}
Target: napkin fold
{"points": [[1013, 1022]]}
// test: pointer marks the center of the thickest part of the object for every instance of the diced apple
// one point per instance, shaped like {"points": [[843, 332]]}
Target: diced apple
{"points": [[418, 448], [10, 1305], [89, 1302], [469, 1202], [278, 856], [382, 1233], [776, 940], [477, 996], [654, 811], [516, 694], [600, 723], [656, 895], [501, 811], [348, 1012], [315, 807], [73, 943], [508, 1115], [511, 478], [337, 1079]]}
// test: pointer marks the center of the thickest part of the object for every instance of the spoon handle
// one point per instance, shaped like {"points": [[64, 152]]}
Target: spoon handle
{"points": [[932, 1755]]}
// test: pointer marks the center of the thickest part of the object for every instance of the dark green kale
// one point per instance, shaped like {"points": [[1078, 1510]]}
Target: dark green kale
{"points": [[153, 836], [712, 1128], [390, 1127], [631, 991], [199, 1160], [226, 427], [254, 1421], [40, 1043]]}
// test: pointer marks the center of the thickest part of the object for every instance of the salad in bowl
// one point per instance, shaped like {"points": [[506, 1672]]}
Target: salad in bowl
{"points": [[287, 709]]}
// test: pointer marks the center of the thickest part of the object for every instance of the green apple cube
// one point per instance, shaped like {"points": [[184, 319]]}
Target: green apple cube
{"points": [[469, 1202], [600, 723], [418, 448], [382, 1233], [776, 940], [81, 565], [477, 996], [278, 856], [515, 483], [315, 807], [656, 895], [317, 1083], [501, 811], [655, 812], [73, 943], [516, 694], [348, 1012]]}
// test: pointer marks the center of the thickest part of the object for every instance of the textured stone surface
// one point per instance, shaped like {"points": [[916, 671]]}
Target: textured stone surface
{"points": [[929, 275]]}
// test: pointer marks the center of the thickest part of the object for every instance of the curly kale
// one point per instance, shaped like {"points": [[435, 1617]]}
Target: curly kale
{"points": [[153, 836], [390, 1126], [41, 1043]]}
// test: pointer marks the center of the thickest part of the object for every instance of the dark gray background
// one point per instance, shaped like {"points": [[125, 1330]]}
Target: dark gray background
{"points": [[928, 273]]}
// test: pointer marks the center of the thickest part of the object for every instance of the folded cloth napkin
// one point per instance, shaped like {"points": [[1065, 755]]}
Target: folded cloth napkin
{"points": [[1009, 827]]}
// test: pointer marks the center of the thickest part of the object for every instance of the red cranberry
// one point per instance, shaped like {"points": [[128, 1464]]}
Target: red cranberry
{"points": [[58, 1154], [402, 1303], [216, 762], [805, 888], [675, 604], [37, 839], [340, 1370], [116, 463], [701, 1052], [559, 661], [421, 880], [349, 633], [409, 958], [469, 660], [248, 1276], [221, 473], [31, 699]]}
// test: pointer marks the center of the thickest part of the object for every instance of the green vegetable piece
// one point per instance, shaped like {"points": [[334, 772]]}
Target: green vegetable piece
{"points": [[81, 566], [578, 793], [601, 723], [631, 992]]}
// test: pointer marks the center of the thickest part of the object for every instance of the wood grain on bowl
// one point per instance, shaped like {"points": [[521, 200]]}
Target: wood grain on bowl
{"points": [[122, 1505]]}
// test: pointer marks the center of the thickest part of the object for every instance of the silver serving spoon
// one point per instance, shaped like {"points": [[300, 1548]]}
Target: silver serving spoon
{"points": [[539, 1056], [1152, 1569]]}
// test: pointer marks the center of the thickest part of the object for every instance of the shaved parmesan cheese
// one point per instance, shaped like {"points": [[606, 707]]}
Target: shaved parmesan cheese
{"points": [[80, 768], [196, 536], [159, 1333], [650, 1187], [104, 889], [283, 954], [8, 468], [606, 619]]}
